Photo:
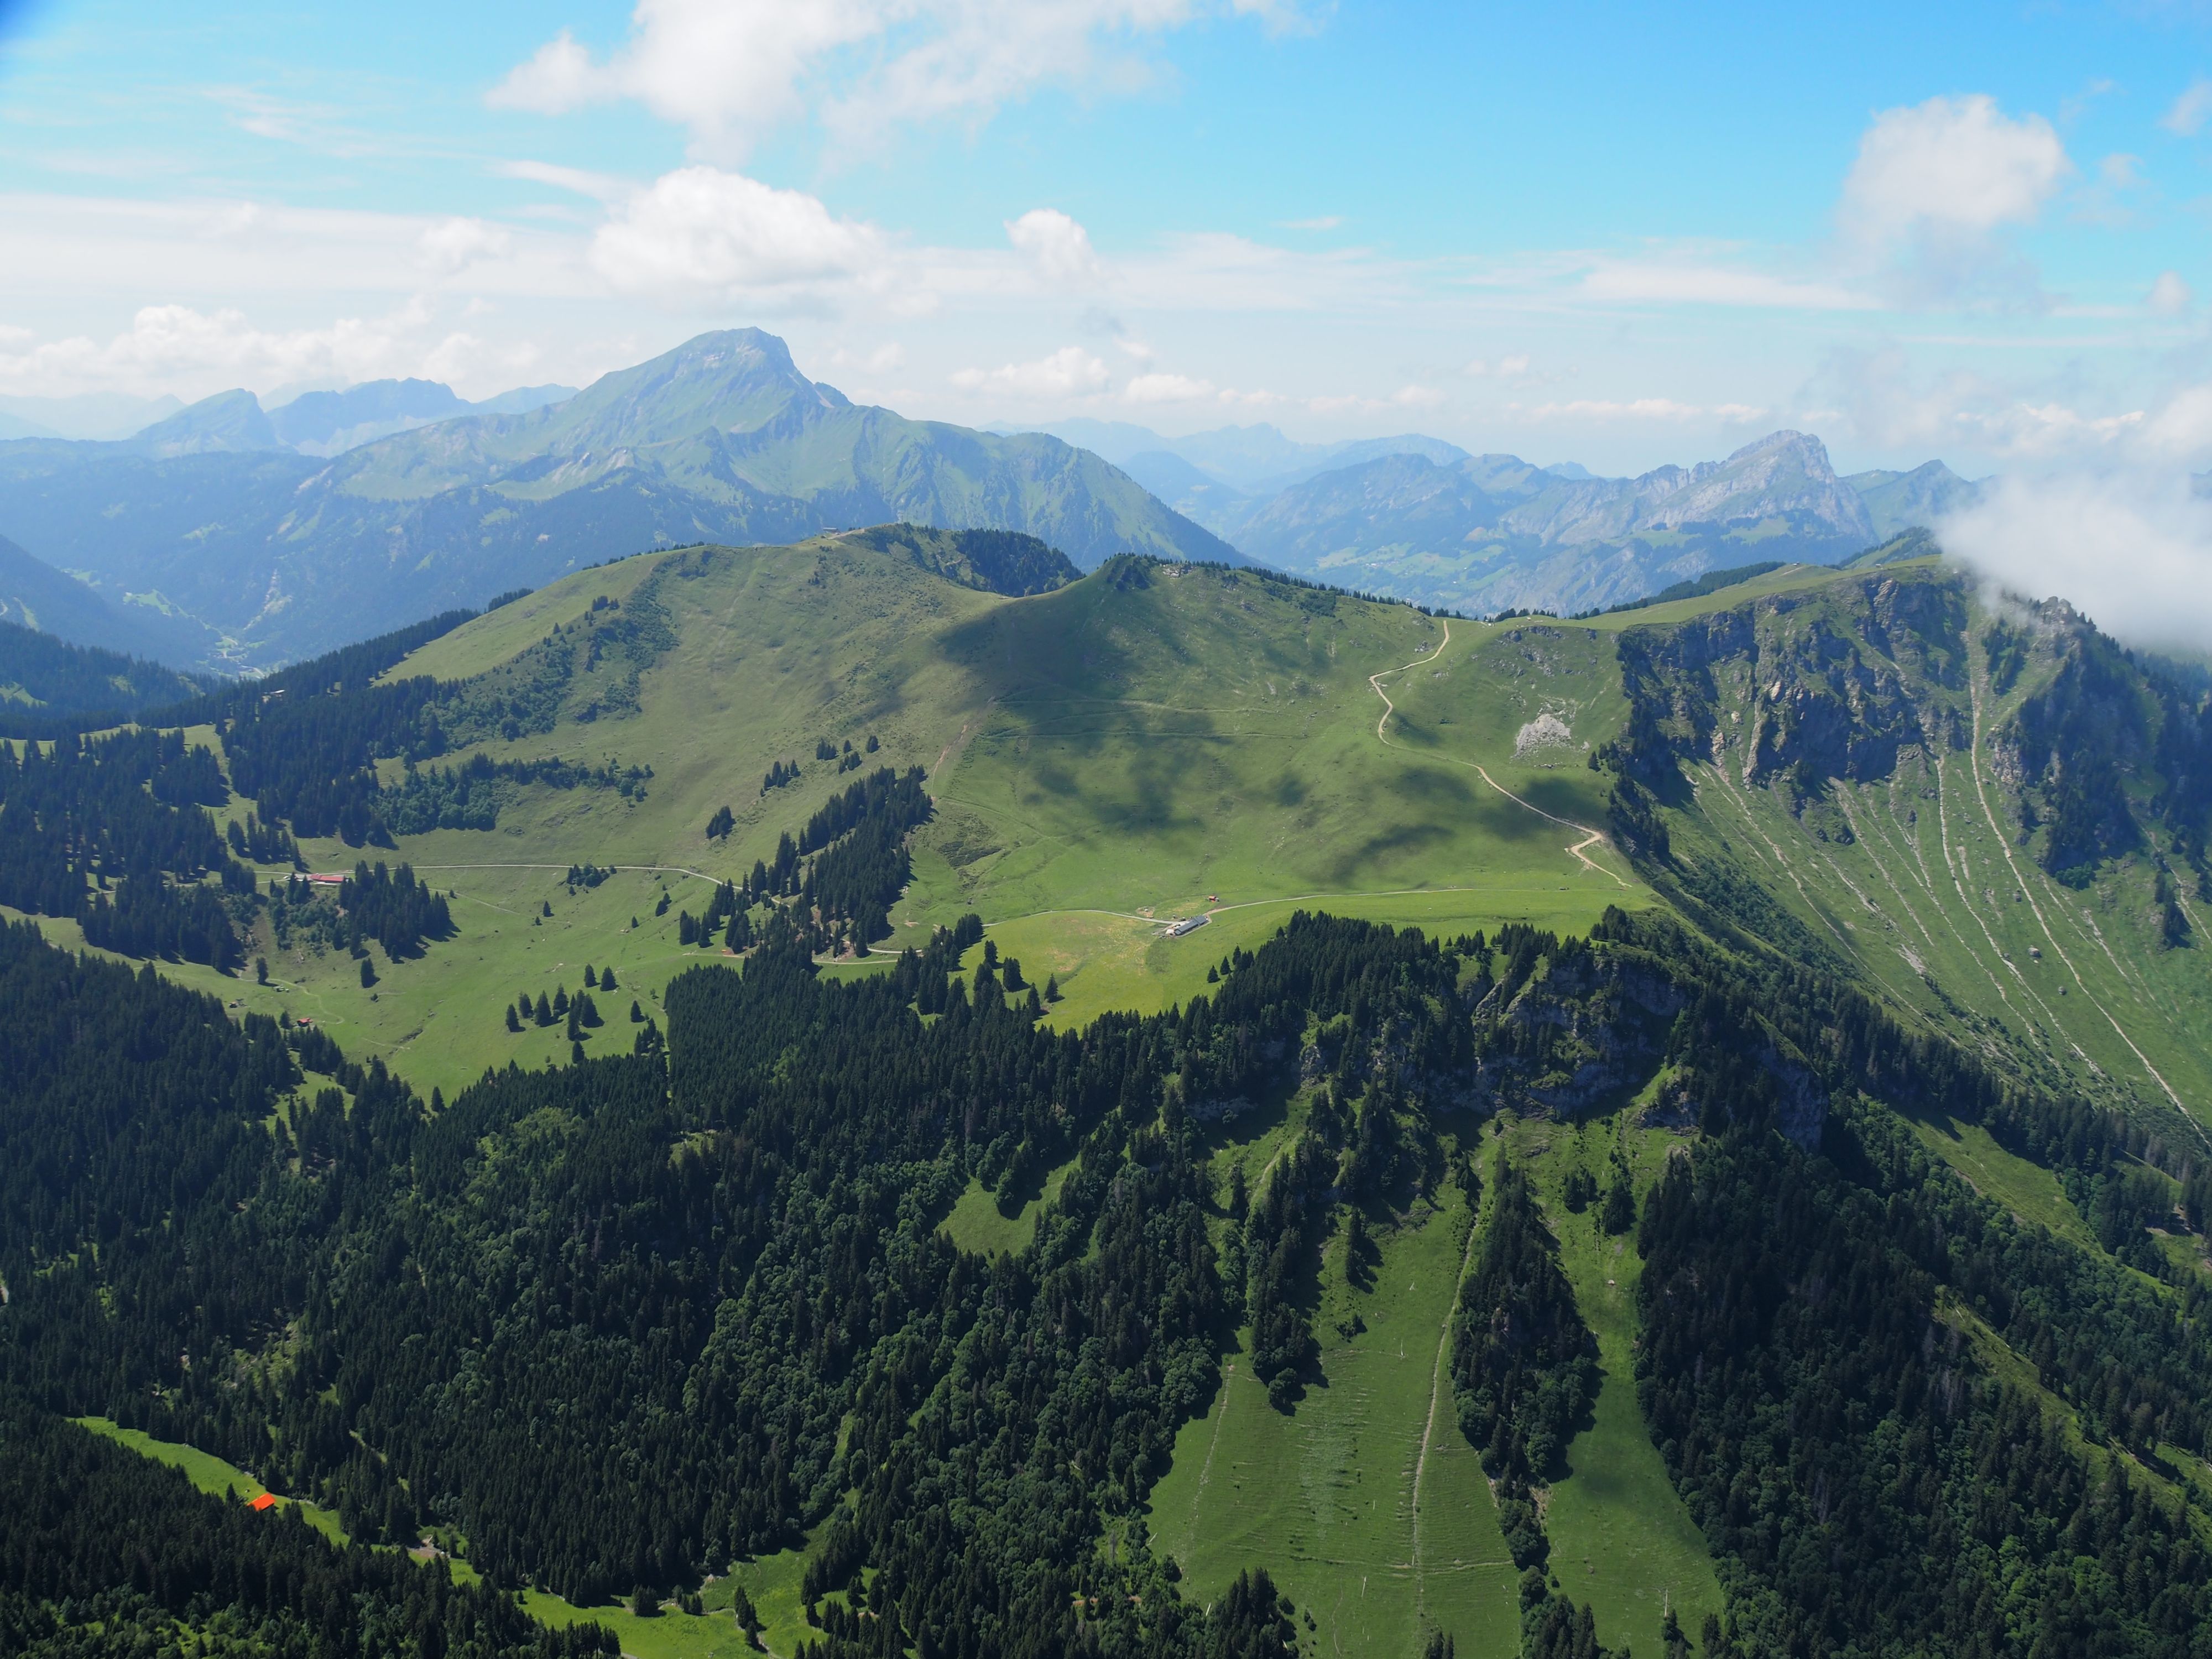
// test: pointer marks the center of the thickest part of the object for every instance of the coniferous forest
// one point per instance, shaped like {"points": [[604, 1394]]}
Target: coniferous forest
{"points": [[623, 1321]]}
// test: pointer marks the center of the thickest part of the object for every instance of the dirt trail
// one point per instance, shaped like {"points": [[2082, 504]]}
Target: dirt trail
{"points": [[1590, 837]]}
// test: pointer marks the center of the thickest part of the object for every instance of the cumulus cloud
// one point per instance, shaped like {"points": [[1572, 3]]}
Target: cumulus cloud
{"points": [[1935, 185], [451, 245], [702, 233], [1068, 372], [1417, 397], [1642, 408], [1512, 367], [1162, 388], [1956, 162], [2131, 547], [733, 71], [1057, 248]]}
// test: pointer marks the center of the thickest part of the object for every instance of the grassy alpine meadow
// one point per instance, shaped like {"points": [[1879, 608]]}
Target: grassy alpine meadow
{"points": [[1151, 742], [1365, 1502], [1621, 1539]]}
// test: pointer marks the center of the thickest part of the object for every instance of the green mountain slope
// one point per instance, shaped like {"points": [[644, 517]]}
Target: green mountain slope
{"points": [[720, 440], [43, 676], [1802, 1042], [1995, 817]]}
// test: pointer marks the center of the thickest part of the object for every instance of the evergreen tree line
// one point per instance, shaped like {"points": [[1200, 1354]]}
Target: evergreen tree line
{"points": [[1523, 1364], [124, 811], [471, 796], [394, 907], [620, 1321], [845, 870], [103, 1553]]}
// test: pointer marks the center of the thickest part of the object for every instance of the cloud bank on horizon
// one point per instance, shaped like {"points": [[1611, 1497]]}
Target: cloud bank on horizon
{"points": [[1183, 212]]}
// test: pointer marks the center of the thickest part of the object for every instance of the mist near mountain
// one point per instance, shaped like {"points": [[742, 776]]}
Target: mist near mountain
{"points": [[2132, 549]]}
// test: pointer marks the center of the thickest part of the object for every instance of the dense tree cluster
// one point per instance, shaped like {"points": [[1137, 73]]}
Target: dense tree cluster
{"points": [[128, 810], [395, 907], [620, 1321], [1868, 1485], [1523, 1364], [102, 1553]]}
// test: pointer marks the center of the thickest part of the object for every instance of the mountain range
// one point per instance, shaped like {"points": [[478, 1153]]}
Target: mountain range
{"points": [[231, 536], [274, 554], [1421, 519]]}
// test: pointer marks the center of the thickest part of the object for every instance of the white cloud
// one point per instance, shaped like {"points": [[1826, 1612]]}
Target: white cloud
{"points": [[1326, 221], [2189, 111], [170, 345], [1058, 248], [2169, 295], [1161, 388], [731, 70], [1068, 372], [2133, 548], [699, 233], [1951, 165], [451, 245], [600, 186], [1417, 397], [1716, 285]]}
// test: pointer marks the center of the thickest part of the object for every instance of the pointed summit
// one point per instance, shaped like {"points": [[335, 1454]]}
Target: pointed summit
{"points": [[737, 381]]}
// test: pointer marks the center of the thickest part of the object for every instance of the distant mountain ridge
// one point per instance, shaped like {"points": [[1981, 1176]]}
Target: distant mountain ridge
{"points": [[1421, 519], [35, 596], [722, 440], [1493, 531]]}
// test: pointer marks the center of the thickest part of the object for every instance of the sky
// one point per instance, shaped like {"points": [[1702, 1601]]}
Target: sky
{"points": [[1622, 236]]}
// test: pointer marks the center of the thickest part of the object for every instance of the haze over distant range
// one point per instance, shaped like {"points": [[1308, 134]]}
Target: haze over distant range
{"points": [[227, 535]]}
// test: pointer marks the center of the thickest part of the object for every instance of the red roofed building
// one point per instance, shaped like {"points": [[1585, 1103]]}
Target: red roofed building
{"points": [[266, 1501]]}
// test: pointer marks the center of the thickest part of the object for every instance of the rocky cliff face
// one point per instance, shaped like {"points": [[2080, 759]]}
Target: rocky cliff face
{"points": [[1832, 683]]}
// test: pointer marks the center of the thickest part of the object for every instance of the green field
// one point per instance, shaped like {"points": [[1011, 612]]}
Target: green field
{"points": [[1104, 758], [1621, 1539], [1366, 1503], [209, 1473]]}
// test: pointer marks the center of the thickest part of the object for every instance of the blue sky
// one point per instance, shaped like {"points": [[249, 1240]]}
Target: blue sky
{"points": [[1621, 236]]}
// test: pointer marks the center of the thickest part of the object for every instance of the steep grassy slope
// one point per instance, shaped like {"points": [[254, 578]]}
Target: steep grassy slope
{"points": [[1103, 757], [1859, 769], [1990, 816]]}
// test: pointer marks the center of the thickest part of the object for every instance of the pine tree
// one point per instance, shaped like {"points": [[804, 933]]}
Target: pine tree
{"points": [[367, 973], [513, 1023]]}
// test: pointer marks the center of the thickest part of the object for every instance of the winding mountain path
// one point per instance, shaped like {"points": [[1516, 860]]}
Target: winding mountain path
{"points": [[1590, 837]]}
